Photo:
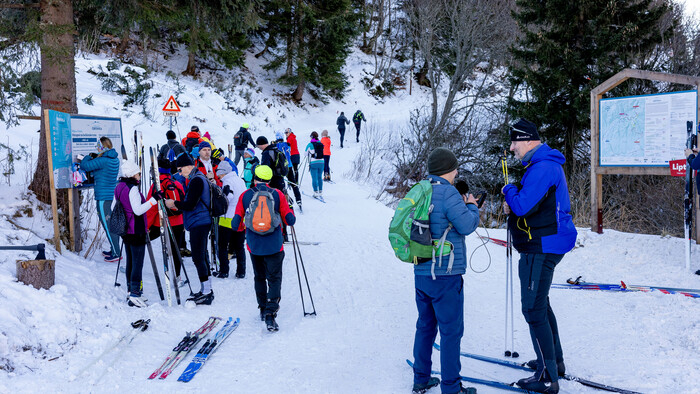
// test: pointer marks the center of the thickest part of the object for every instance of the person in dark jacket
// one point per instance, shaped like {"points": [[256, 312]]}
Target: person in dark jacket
{"points": [[357, 120], [105, 169], [198, 222], [171, 150], [266, 251], [542, 229], [135, 206], [293, 174], [341, 122], [439, 287], [192, 139], [268, 157], [240, 142]]}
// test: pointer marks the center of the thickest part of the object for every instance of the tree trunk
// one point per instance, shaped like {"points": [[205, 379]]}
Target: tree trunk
{"points": [[57, 80], [299, 91], [194, 42], [124, 43], [191, 66]]}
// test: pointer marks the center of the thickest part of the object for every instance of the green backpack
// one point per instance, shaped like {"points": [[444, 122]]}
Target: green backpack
{"points": [[409, 230]]}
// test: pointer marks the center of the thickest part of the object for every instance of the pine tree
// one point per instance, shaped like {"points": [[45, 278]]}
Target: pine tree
{"points": [[568, 48]]}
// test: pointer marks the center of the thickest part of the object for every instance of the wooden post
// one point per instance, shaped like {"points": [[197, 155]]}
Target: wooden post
{"points": [[52, 186]]}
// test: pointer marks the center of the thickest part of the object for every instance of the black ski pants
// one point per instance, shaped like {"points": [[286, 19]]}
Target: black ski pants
{"points": [[357, 127], [268, 281], [536, 271], [134, 267], [230, 239], [342, 135], [293, 176], [178, 233], [198, 243]]}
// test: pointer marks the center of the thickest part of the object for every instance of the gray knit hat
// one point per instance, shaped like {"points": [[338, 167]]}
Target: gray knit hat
{"points": [[441, 161]]}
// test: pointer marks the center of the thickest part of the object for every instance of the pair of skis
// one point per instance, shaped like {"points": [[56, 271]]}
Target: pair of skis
{"points": [[183, 348], [316, 198], [578, 284], [209, 347], [524, 367]]}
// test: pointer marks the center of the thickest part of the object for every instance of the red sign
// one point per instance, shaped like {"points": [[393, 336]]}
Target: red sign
{"points": [[171, 105], [678, 167]]}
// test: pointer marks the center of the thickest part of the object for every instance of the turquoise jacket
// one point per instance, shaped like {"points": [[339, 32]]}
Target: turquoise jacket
{"points": [[105, 169]]}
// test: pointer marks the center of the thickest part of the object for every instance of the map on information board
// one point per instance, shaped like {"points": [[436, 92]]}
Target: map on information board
{"points": [[645, 130]]}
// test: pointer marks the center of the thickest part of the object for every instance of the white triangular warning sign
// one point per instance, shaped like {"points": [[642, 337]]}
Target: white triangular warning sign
{"points": [[171, 105]]}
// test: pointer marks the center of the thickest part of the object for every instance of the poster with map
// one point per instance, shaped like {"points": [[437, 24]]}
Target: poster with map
{"points": [[645, 130]]}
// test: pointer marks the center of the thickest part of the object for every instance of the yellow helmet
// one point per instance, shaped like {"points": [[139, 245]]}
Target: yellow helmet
{"points": [[263, 172]]}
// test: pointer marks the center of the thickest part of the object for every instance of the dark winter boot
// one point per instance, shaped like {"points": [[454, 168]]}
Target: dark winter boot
{"points": [[420, 388], [271, 323], [539, 383], [534, 365], [202, 299]]}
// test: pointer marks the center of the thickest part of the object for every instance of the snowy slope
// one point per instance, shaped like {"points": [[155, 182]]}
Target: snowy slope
{"points": [[364, 329]]}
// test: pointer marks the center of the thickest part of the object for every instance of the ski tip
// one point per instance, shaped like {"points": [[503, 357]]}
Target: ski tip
{"points": [[624, 285]]}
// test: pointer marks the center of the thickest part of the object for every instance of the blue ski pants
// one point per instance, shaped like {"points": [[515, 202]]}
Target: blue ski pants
{"points": [[104, 212], [440, 305], [316, 170]]}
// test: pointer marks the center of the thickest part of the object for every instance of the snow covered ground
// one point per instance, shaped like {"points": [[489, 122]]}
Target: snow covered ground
{"points": [[358, 342]]}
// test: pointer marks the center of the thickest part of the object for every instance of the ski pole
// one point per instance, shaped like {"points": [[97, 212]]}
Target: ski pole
{"points": [[116, 276], [303, 166], [509, 275], [306, 278], [176, 252]]}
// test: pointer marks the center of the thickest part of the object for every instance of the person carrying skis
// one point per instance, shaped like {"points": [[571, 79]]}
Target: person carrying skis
{"points": [[206, 164], [314, 150], [293, 175], [197, 221], [233, 189], [440, 297], [135, 206], [264, 239], [341, 122], [192, 139], [326, 141], [171, 190], [240, 142], [357, 120], [104, 167], [171, 150], [542, 230], [250, 162]]}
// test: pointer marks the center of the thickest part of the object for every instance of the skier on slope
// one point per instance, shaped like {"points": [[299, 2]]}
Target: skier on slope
{"points": [[440, 300], [230, 238], [341, 122], [314, 150], [326, 141], [266, 250], [357, 120], [135, 206], [240, 142], [105, 169], [272, 157], [197, 221], [540, 223]]}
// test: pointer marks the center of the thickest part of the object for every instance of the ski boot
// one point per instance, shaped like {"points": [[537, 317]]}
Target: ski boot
{"points": [[539, 383], [420, 388], [271, 323], [202, 299], [534, 365]]}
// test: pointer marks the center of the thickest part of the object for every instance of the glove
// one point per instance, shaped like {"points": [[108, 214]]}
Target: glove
{"points": [[79, 157], [93, 155], [159, 195], [226, 190]]}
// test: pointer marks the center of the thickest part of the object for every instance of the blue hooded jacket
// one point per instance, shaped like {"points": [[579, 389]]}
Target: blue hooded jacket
{"points": [[449, 208], [105, 169], [540, 218]]}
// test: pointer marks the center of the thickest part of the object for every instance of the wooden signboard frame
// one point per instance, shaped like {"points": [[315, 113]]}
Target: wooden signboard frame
{"points": [[597, 171]]}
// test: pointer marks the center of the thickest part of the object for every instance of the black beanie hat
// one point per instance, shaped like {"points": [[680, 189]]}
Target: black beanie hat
{"points": [[261, 141], [524, 130], [183, 160], [441, 161], [170, 135]]}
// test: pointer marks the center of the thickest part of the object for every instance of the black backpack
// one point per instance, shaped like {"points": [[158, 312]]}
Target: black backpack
{"points": [[219, 203], [190, 143], [117, 221], [237, 138], [318, 150], [280, 165]]}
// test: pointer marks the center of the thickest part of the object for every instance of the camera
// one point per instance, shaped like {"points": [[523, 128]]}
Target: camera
{"points": [[463, 189]]}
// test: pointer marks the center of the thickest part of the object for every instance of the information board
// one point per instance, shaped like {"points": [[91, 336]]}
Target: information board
{"points": [[648, 130], [73, 135]]}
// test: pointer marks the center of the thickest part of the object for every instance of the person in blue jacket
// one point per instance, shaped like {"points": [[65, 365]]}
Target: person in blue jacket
{"points": [[540, 222], [105, 169], [198, 222], [439, 288], [694, 163]]}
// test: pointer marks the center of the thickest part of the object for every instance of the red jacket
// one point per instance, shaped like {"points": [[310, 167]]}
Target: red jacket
{"points": [[292, 141], [174, 191], [192, 134], [326, 141], [214, 166]]}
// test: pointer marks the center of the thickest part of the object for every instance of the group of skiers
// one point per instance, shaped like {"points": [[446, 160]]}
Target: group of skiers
{"points": [[357, 120], [190, 172]]}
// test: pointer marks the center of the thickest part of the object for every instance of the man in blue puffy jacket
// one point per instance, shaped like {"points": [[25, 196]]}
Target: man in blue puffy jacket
{"points": [[440, 297], [540, 222]]}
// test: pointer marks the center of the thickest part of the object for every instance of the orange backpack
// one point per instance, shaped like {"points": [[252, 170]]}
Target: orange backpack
{"points": [[261, 217]]}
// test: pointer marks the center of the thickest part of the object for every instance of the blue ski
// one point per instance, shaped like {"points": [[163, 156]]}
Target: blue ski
{"points": [[209, 347], [315, 198], [524, 367], [492, 383]]}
